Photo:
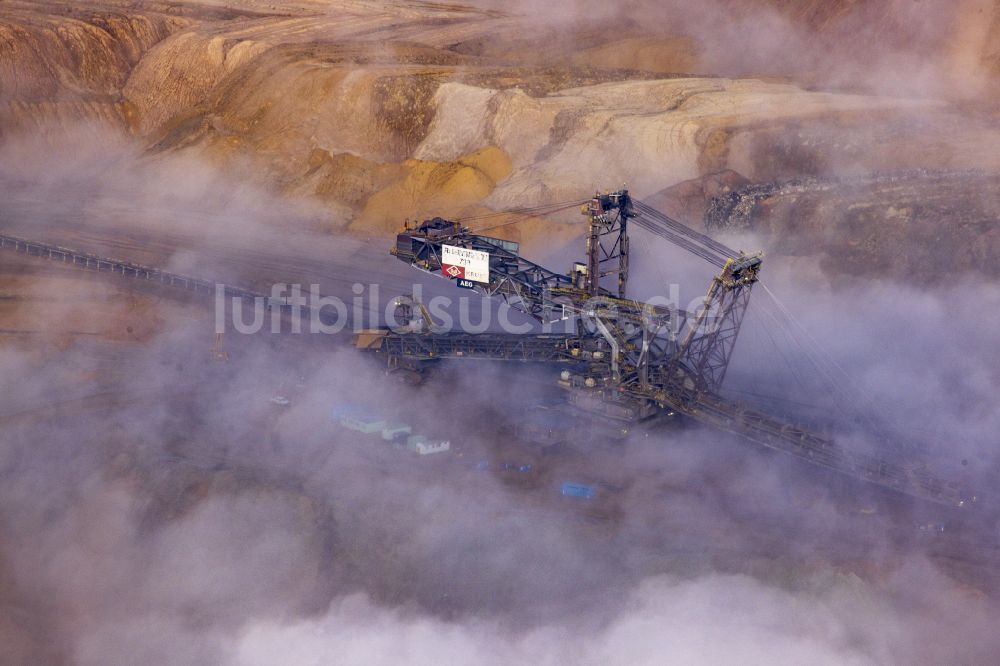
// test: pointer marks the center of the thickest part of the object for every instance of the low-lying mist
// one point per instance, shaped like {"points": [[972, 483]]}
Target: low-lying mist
{"points": [[192, 520], [935, 48]]}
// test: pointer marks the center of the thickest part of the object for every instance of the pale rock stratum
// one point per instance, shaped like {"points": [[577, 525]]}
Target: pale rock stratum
{"points": [[384, 111]]}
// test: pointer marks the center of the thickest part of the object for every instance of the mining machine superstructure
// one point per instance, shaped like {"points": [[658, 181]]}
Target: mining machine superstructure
{"points": [[626, 362]]}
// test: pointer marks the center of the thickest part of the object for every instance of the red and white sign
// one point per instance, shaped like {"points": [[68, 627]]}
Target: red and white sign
{"points": [[460, 262]]}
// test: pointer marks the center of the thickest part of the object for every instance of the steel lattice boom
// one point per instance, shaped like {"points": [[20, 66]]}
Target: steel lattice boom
{"points": [[622, 367], [628, 361]]}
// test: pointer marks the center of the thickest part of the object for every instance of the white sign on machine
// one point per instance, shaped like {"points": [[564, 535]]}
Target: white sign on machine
{"points": [[465, 264]]}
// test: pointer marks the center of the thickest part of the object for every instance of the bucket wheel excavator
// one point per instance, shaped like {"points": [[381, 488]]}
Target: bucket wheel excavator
{"points": [[626, 362]]}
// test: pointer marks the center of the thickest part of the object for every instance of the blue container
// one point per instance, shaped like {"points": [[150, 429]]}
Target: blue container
{"points": [[581, 490]]}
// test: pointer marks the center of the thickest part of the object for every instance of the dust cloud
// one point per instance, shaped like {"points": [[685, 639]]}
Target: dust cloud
{"points": [[933, 48], [158, 507], [207, 525]]}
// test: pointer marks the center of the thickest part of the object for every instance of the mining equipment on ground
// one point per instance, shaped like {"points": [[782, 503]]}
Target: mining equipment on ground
{"points": [[627, 362]]}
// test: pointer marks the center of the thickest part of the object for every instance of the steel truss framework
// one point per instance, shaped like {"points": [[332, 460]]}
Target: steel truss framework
{"points": [[631, 361], [668, 387], [607, 244]]}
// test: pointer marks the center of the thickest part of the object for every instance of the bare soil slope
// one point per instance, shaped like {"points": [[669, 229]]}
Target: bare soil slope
{"points": [[387, 110]]}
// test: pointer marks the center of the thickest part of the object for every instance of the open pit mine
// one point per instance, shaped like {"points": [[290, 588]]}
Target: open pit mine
{"points": [[380, 332]]}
